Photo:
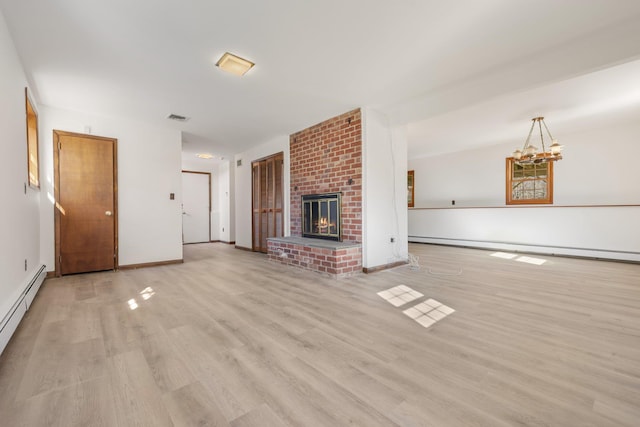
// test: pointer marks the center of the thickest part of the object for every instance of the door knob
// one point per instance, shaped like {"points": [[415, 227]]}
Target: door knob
{"points": [[108, 213]]}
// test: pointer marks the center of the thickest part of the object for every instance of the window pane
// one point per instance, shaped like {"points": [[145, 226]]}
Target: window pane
{"points": [[529, 183], [32, 143]]}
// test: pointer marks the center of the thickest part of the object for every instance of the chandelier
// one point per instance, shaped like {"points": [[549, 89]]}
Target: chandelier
{"points": [[530, 154]]}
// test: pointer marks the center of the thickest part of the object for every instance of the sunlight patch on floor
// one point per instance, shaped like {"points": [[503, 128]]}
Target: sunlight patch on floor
{"points": [[531, 260], [504, 255], [400, 295], [426, 313], [527, 259]]}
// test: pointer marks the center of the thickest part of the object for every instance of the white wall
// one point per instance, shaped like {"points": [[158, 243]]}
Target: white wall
{"points": [[384, 184], [19, 223], [243, 187], [149, 165], [584, 178]]}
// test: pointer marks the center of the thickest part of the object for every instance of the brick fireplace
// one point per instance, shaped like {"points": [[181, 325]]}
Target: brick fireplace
{"points": [[325, 159]]}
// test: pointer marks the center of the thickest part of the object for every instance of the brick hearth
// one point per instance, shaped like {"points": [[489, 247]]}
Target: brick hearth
{"points": [[337, 259]]}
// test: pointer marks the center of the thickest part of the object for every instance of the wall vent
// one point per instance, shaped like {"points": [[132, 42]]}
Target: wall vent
{"points": [[177, 117]]}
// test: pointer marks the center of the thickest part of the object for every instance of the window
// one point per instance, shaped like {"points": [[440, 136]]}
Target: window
{"points": [[32, 142], [529, 183], [410, 192]]}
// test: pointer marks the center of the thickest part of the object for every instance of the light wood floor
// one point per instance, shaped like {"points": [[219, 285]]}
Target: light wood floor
{"points": [[230, 339]]}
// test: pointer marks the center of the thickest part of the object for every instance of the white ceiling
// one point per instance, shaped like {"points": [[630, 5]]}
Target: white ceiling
{"points": [[461, 73]]}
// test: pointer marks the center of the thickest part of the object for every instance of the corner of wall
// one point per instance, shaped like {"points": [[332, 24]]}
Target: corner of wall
{"points": [[384, 191]]}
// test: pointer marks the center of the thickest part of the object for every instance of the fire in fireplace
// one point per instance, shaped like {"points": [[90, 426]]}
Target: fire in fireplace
{"points": [[321, 216]]}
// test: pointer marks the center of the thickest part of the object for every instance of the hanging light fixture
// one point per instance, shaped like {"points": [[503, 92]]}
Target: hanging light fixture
{"points": [[530, 154]]}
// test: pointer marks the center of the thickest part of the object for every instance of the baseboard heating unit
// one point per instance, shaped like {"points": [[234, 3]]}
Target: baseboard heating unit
{"points": [[12, 318]]}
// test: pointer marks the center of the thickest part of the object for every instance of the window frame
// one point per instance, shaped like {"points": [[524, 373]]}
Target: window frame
{"points": [[510, 163], [411, 182], [33, 156]]}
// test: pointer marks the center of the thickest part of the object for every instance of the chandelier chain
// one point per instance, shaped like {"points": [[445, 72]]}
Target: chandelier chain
{"points": [[529, 153], [541, 137]]}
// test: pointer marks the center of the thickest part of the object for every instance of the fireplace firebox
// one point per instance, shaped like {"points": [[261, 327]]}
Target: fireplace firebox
{"points": [[321, 216]]}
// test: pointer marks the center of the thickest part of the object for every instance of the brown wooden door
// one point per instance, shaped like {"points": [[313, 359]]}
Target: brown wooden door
{"points": [[86, 207], [267, 200]]}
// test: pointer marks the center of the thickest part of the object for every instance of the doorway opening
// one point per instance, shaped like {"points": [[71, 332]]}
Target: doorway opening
{"points": [[196, 207]]}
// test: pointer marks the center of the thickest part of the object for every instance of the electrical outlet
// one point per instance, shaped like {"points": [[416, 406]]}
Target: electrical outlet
{"points": [[392, 239]]}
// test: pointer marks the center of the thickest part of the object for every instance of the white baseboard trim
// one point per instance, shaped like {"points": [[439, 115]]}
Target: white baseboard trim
{"points": [[12, 318], [604, 254]]}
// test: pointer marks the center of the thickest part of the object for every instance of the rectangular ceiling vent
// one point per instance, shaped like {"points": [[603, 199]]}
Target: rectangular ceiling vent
{"points": [[177, 117]]}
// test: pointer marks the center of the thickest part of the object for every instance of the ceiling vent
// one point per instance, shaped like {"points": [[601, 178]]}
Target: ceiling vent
{"points": [[177, 117]]}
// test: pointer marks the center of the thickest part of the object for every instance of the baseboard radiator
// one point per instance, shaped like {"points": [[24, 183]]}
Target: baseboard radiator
{"points": [[12, 319]]}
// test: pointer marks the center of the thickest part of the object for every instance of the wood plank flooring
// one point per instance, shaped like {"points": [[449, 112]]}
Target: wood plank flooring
{"points": [[230, 339]]}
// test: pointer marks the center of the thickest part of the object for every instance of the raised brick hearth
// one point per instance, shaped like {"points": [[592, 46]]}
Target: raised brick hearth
{"points": [[337, 259]]}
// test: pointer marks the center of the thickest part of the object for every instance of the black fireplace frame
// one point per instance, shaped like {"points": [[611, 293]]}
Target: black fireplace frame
{"points": [[309, 199]]}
